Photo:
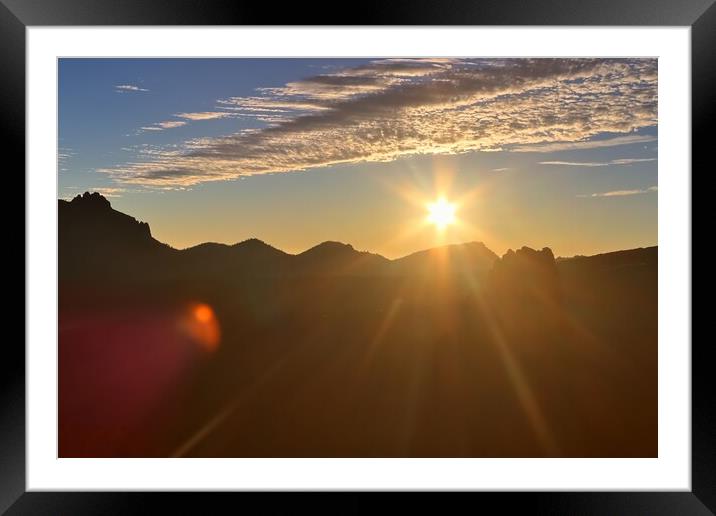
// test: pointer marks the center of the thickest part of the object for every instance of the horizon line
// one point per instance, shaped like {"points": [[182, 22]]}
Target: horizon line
{"points": [[454, 244]]}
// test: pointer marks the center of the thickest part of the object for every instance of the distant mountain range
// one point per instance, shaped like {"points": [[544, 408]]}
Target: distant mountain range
{"points": [[96, 239]]}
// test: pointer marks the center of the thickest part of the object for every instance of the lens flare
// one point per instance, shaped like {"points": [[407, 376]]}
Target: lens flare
{"points": [[202, 326], [203, 313]]}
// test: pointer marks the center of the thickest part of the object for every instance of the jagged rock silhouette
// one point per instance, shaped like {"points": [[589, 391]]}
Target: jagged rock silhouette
{"points": [[526, 275]]}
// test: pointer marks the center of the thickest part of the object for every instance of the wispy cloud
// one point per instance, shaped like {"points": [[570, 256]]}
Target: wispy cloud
{"points": [[391, 108], [622, 193], [118, 191], [106, 191], [185, 118], [203, 115], [64, 155], [161, 126], [111, 191], [124, 88], [585, 144], [619, 162], [504, 169]]}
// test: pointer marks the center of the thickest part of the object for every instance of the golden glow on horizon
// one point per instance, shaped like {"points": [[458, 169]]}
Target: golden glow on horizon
{"points": [[441, 213], [392, 216]]}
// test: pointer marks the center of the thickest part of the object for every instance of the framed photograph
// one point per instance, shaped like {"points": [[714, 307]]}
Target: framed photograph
{"points": [[443, 248]]}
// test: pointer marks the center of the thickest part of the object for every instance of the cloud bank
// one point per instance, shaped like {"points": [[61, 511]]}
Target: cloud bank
{"points": [[391, 108]]}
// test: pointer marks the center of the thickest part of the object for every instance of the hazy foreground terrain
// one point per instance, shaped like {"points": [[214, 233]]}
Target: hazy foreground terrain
{"points": [[245, 350]]}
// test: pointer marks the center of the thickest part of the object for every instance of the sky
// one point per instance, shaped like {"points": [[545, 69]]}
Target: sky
{"points": [[558, 153]]}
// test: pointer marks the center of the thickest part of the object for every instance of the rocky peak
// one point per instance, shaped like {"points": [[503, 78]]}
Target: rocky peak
{"points": [[91, 200]]}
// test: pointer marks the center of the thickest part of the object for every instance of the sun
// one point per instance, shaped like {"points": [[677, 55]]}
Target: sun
{"points": [[441, 213]]}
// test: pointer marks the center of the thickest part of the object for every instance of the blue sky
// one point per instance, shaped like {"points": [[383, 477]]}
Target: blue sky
{"points": [[558, 153], [97, 121]]}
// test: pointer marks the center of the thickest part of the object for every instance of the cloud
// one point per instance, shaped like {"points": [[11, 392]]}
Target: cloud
{"points": [[504, 169], [631, 161], [123, 88], [583, 145], [117, 191], [203, 115], [111, 191], [391, 108], [621, 193], [623, 162], [64, 154], [186, 118], [161, 126], [105, 191]]}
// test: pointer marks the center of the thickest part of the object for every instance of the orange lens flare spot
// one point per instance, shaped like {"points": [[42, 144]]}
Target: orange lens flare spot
{"points": [[202, 326], [203, 313]]}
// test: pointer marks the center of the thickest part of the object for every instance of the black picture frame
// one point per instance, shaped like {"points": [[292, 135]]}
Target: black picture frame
{"points": [[16, 15]]}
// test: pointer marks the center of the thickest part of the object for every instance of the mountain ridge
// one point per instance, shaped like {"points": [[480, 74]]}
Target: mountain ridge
{"points": [[94, 203]]}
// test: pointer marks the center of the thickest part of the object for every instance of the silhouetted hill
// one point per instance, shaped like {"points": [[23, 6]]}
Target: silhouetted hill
{"points": [[90, 218], [250, 247], [612, 290], [336, 258], [524, 285], [250, 257], [98, 241], [627, 259], [524, 273], [472, 259]]}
